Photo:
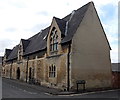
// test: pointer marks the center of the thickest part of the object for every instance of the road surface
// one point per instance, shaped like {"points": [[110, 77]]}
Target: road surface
{"points": [[15, 89]]}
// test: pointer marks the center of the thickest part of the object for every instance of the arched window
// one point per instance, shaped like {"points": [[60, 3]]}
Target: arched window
{"points": [[53, 40], [52, 71]]}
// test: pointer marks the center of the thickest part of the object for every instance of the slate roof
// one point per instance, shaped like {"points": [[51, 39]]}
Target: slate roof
{"points": [[74, 21], [116, 67], [14, 53], [7, 52], [38, 42], [25, 43]]}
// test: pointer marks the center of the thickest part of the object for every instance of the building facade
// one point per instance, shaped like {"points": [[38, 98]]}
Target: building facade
{"points": [[116, 75], [1, 65], [70, 49]]}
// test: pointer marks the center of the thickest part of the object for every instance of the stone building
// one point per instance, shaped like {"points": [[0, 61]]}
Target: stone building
{"points": [[70, 49], [116, 75], [1, 65]]}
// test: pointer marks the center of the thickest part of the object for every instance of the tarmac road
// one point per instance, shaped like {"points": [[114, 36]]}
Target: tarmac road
{"points": [[0, 88], [16, 89]]}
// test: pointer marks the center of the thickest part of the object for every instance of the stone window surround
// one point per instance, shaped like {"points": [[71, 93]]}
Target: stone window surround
{"points": [[20, 52], [52, 71], [53, 40]]}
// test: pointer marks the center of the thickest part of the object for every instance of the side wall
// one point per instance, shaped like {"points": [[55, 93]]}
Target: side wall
{"points": [[90, 57]]}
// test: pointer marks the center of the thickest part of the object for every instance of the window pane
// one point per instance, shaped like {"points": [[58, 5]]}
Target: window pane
{"points": [[50, 47], [54, 69], [54, 74], [49, 69], [56, 46], [50, 40], [50, 74]]}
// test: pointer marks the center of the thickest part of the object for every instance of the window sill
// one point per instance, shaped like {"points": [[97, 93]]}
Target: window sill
{"points": [[52, 77], [19, 62], [57, 55], [52, 52]]}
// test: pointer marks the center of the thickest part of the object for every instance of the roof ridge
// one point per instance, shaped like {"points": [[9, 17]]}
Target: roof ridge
{"points": [[65, 18], [24, 39], [61, 19], [84, 5]]}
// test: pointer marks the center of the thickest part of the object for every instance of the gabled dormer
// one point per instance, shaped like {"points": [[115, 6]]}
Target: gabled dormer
{"points": [[55, 35], [25, 44], [21, 48], [20, 51], [7, 53]]}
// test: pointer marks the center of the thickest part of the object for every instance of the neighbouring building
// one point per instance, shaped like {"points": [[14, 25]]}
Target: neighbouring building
{"points": [[1, 65], [70, 49], [116, 75]]}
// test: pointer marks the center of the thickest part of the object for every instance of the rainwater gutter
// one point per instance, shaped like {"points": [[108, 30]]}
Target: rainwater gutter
{"points": [[68, 66], [27, 69]]}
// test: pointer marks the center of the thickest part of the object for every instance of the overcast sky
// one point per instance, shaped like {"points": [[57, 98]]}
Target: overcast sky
{"points": [[24, 18]]}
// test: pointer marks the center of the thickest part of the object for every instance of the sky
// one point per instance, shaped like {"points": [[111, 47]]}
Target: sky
{"points": [[25, 18]]}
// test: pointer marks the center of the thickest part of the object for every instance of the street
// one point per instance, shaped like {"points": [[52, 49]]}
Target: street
{"points": [[16, 89], [0, 88]]}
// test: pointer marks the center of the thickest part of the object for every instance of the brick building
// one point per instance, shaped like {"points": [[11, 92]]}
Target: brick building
{"points": [[116, 75]]}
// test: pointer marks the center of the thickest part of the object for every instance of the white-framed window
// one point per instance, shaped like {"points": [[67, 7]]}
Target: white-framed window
{"points": [[52, 71]]}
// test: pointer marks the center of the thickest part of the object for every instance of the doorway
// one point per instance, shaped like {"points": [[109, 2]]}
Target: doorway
{"points": [[30, 72], [31, 75], [18, 73]]}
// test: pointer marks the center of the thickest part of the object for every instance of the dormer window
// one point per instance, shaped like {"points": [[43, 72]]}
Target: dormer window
{"points": [[53, 40], [20, 53]]}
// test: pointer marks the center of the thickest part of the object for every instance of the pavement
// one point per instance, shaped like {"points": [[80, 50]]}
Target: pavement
{"points": [[0, 88]]}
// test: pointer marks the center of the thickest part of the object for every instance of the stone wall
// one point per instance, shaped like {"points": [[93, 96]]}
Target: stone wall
{"points": [[91, 53], [36, 69], [60, 80]]}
